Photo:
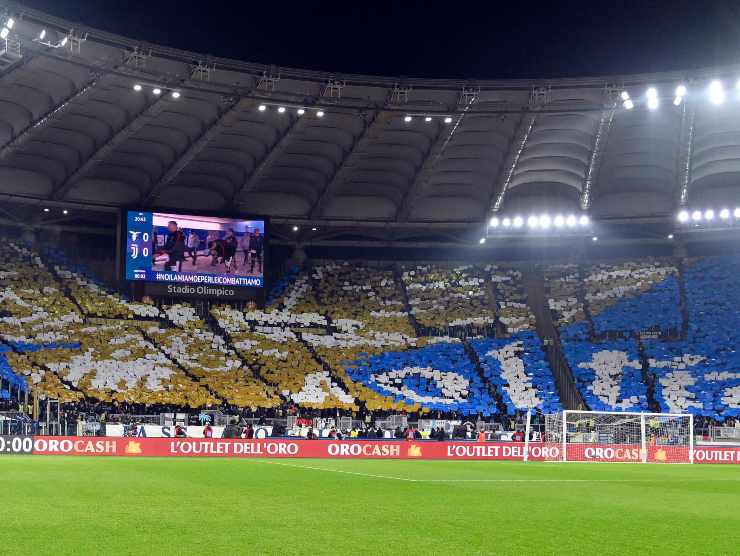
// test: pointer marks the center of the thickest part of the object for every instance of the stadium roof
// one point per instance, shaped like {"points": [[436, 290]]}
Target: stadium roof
{"points": [[382, 151]]}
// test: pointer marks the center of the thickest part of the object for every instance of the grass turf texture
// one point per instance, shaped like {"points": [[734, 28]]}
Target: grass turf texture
{"points": [[77, 505]]}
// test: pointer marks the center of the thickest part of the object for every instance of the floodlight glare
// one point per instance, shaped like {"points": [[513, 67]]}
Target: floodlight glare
{"points": [[681, 91], [544, 221], [448, 120], [709, 215], [64, 41], [716, 92], [677, 101], [696, 215], [571, 220], [506, 222], [4, 33], [559, 221], [407, 119], [628, 104], [653, 103], [42, 34], [320, 114], [65, 211], [9, 24], [518, 221], [157, 91], [736, 213], [670, 236], [482, 240], [652, 92], [532, 221], [262, 108], [295, 228], [583, 220], [625, 95], [494, 222], [137, 87], [281, 109], [428, 119], [175, 94], [724, 214], [300, 111], [683, 216], [595, 238], [46, 210]]}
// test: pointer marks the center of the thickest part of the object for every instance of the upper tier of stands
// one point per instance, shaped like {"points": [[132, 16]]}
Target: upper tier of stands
{"points": [[354, 336]]}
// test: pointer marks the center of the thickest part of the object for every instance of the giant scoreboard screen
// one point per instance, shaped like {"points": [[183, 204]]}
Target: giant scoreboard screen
{"points": [[199, 255]]}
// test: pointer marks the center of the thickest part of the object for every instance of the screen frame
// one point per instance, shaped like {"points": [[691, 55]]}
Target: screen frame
{"points": [[122, 230]]}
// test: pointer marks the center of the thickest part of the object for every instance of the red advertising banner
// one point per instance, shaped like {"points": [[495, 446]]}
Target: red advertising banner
{"points": [[357, 449]]}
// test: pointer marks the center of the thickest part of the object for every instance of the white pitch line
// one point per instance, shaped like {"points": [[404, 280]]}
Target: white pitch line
{"points": [[407, 480]]}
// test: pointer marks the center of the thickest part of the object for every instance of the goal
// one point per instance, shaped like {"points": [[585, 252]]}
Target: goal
{"points": [[602, 436]]}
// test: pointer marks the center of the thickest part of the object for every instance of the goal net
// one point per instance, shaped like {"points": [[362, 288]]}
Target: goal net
{"points": [[600, 436]]}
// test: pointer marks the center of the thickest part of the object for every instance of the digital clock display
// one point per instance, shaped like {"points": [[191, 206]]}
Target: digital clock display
{"points": [[16, 444]]}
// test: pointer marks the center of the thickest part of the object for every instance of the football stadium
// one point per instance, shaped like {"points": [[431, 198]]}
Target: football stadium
{"points": [[249, 309]]}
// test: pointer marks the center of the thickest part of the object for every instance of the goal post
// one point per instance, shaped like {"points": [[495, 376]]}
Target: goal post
{"points": [[603, 436]]}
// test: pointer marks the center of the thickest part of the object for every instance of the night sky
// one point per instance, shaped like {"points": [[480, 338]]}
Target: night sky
{"points": [[450, 38]]}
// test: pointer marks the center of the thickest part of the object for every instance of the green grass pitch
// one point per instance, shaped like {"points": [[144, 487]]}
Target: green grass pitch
{"points": [[77, 505]]}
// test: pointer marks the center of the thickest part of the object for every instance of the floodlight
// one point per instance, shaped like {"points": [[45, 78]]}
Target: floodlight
{"points": [[300, 111], [320, 114], [595, 238], [696, 215], [428, 119], [494, 222], [262, 108], [709, 215], [652, 92], [407, 119], [681, 91], [42, 34], [736, 213], [65, 211], [670, 236], [683, 216], [137, 87], [544, 221], [448, 120], [571, 220], [532, 221], [518, 221], [583, 220], [175, 94], [4, 33], [628, 104], [157, 91], [716, 92], [559, 221], [625, 95], [64, 41], [506, 222], [281, 109], [653, 103], [295, 228], [482, 240], [724, 214], [46, 210]]}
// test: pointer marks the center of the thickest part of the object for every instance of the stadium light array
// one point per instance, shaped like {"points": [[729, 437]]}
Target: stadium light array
{"points": [[709, 217], [541, 223]]}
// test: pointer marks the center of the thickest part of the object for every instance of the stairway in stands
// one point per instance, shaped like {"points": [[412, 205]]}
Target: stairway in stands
{"points": [[534, 286]]}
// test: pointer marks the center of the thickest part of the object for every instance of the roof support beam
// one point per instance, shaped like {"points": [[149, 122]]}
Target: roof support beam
{"points": [[602, 132], [358, 143], [49, 116], [268, 159], [519, 141], [442, 138], [685, 152], [140, 120], [229, 110]]}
